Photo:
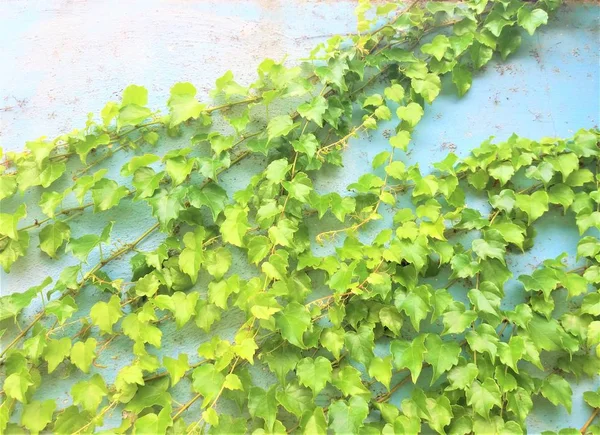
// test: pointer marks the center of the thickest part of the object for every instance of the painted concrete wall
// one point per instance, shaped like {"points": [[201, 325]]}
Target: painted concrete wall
{"points": [[63, 58]]}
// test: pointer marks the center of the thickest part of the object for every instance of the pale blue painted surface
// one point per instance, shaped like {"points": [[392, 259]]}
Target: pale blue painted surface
{"points": [[551, 87]]}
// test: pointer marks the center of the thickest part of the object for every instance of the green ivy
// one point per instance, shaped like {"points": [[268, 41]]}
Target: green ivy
{"points": [[339, 333]]}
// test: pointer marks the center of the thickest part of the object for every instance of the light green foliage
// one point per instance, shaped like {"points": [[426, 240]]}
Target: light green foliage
{"points": [[342, 328], [37, 415], [183, 104], [531, 19], [83, 353], [90, 393], [106, 314]]}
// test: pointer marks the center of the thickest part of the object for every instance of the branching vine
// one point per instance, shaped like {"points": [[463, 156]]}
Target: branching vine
{"points": [[339, 334]]}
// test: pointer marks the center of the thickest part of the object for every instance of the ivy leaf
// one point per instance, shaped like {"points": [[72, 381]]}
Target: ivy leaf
{"points": [[374, 100], [401, 140], [463, 266], [37, 414], [212, 196], [461, 377], [277, 170], [107, 194], [502, 171], [183, 306], [415, 305], [219, 291], [348, 417], [53, 236], [488, 249], [294, 321], [504, 201], [207, 380], [462, 78], [333, 340], [429, 87], [279, 126], [105, 315], [17, 384], [307, 144], [71, 420], [361, 344], [442, 355], [334, 72], [176, 367], [483, 339], [153, 394], [534, 205], [585, 221], [592, 398], [437, 47], [495, 22], [391, 319], [349, 382], [295, 399], [179, 168], [83, 353], [575, 284], [166, 206], [152, 423], [233, 382], [409, 355], [258, 248], [546, 334], [381, 369], [519, 403], [299, 188], [543, 172], [183, 104], [312, 110], [190, 259], [89, 394], [511, 232], [9, 222], [11, 305], [138, 162], [147, 285], [235, 226], [557, 390], [316, 423], [544, 280], [132, 114], [217, 262], [8, 186], [82, 246], [593, 333], [512, 352], [484, 396], [206, 315], [509, 41], [314, 373], [561, 194], [51, 173], [531, 19], [411, 114], [146, 182], [480, 54], [395, 92], [83, 147], [56, 351], [219, 143], [63, 309]]}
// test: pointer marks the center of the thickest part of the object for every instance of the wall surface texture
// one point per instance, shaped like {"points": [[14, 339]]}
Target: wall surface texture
{"points": [[63, 58]]}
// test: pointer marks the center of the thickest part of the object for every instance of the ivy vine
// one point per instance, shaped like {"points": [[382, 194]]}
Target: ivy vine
{"points": [[338, 333]]}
